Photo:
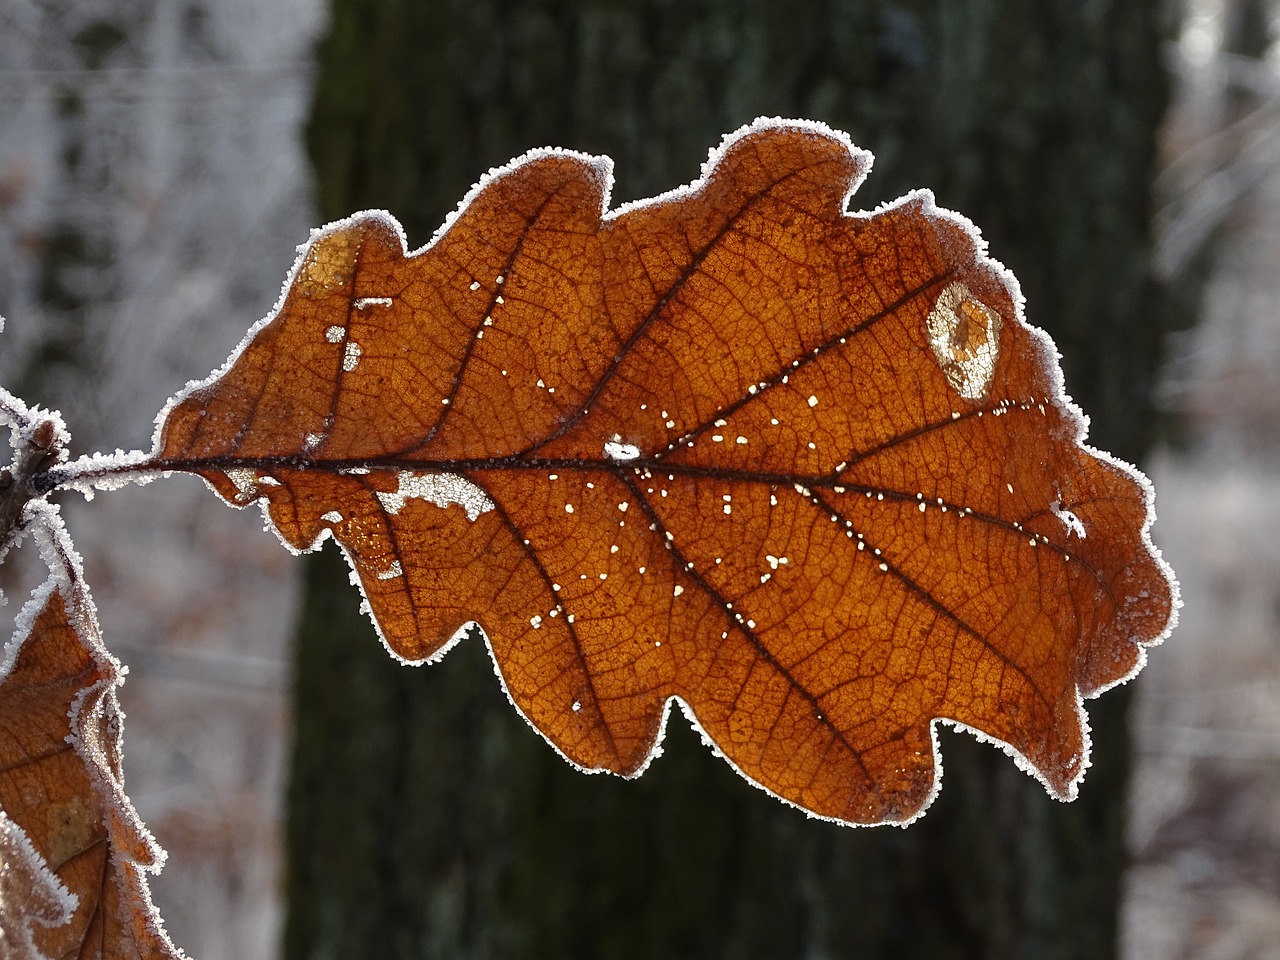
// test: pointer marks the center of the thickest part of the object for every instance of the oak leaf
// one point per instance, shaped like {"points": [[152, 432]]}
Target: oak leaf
{"points": [[67, 829], [30, 895], [807, 473]]}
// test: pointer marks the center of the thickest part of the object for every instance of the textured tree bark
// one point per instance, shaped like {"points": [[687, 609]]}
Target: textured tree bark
{"points": [[426, 820]]}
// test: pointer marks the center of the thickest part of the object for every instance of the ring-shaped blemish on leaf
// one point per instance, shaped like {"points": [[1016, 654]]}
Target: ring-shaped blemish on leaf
{"points": [[965, 336]]}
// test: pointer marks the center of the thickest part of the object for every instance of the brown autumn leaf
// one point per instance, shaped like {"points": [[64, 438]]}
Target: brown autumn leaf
{"points": [[60, 783], [807, 472], [30, 895]]}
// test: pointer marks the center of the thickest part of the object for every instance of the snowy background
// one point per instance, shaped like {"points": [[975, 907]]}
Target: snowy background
{"points": [[152, 192], [153, 189], [1205, 803]]}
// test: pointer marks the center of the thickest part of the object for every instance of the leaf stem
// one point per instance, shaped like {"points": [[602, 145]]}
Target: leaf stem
{"points": [[38, 441], [98, 471]]}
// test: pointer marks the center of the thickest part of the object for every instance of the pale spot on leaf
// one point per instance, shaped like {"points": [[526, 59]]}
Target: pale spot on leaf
{"points": [[442, 489], [395, 570], [1069, 519], [615, 450], [964, 334], [245, 481]]}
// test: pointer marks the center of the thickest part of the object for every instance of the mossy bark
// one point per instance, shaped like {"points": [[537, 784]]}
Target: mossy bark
{"points": [[425, 818]]}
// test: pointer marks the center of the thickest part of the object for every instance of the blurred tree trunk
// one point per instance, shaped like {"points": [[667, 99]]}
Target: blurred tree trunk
{"points": [[426, 819]]}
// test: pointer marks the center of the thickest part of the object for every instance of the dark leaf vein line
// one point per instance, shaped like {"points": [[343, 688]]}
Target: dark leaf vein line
{"points": [[620, 471], [465, 363], [930, 600], [339, 373], [1009, 407], [798, 363], [682, 567], [642, 328], [393, 543], [532, 554], [37, 758], [93, 844]]}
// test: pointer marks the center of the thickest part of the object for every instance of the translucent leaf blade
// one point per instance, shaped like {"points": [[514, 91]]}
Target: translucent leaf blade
{"points": [[60, 782], [808, 472]]}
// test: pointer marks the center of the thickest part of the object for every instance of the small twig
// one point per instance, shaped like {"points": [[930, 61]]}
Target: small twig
{"points": [[39, 444], [99, 472]]}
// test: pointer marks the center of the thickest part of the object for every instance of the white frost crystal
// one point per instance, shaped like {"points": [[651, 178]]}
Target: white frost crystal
{"points": [[442, 489]]}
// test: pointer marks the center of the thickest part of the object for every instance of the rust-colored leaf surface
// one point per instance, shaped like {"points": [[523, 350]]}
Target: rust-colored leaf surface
{"points": [[807, 472], [60, 784], [30, 896]]}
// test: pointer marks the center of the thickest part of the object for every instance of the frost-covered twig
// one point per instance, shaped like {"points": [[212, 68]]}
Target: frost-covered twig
{"points": [[39, 440]]}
